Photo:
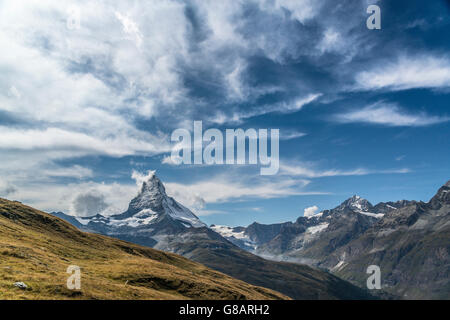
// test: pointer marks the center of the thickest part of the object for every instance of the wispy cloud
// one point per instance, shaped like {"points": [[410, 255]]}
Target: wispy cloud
{"points": [[308, 171], [281, 107], [75, 171], [80, 143], [291, 134], [389, 114], [235, 188], [407, 73]]}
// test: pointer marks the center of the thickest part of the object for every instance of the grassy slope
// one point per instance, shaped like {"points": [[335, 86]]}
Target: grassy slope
{"points": [[37, 248]]}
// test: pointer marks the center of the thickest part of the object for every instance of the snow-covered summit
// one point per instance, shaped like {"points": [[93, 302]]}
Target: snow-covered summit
{"points": [[153, 197], [355, 203], [358, 205]]}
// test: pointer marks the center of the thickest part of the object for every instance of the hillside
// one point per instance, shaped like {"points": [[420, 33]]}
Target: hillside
{"points": [[298, 281], [36, 248]]}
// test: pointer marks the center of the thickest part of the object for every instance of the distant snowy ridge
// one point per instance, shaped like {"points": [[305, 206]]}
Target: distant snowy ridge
{"points": [[238, 237]]}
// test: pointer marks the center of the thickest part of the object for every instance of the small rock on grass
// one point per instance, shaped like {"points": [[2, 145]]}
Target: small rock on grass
{"points": [[20, 285]]}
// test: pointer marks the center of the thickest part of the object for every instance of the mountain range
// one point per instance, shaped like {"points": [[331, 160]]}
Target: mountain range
{"points": [[156, 220], [408, 240]]}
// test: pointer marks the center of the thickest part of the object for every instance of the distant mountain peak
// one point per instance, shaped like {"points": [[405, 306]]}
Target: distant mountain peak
{"points": [[153, 202], [153, 184], [355, 203], [150, 196]]}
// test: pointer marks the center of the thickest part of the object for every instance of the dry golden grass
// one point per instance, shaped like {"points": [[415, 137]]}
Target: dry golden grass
{"points": [[36, 248]]}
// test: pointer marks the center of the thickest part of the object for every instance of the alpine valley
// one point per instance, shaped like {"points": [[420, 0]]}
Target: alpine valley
{"points": [[308, 258]]}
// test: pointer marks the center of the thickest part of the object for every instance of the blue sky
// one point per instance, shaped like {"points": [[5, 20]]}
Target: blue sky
{"points": [[90, 92]]}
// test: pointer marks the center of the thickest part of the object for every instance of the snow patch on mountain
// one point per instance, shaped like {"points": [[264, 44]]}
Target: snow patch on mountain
{"points": [[95, 219], [179, 212], [228, 232], [144, 217], [358, 203], [231, 234]]}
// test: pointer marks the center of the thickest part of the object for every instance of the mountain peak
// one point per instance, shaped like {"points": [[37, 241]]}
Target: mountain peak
{"points": [[153, 185], [355, 203], [153, 200], [442, 196]]}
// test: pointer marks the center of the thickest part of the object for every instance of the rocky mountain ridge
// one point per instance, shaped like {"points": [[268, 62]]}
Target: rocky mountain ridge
{"points": [[409, 240]]}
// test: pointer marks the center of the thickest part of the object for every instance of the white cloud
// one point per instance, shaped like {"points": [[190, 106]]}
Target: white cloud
{"points": [[79, 91], [282, 107], [61, 197], [291, 134], [236, 86], [301, 10], [307, 171], [331, 41], [130, 27], [224, 188], [407, 73], [310, 211], [79, 143], [13, 92], [74, 90], [140, 177], [75, 171], [170, 160], [297, 105], [389, 114]]}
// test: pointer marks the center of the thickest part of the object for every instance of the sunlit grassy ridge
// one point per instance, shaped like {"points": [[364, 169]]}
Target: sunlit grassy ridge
{"points": [[36, 248]]}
